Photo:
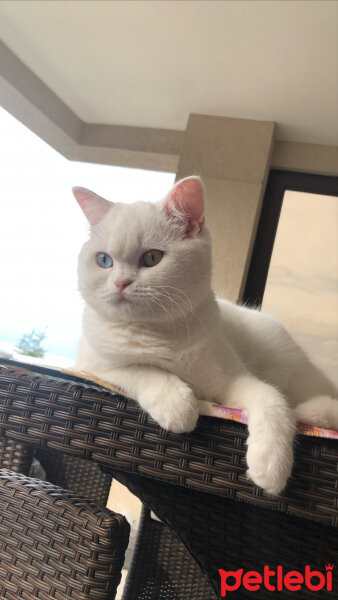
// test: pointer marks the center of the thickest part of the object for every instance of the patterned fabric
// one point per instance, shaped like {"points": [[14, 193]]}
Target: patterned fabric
{"points": [[224, 412], [216, 410]]}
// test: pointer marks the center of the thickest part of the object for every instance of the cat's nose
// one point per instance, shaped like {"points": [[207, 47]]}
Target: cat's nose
{"points": [[121, 284]]}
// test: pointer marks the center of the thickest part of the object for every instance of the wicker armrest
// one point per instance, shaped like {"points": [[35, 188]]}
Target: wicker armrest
{"points": [[66, 414], [54, 544]]}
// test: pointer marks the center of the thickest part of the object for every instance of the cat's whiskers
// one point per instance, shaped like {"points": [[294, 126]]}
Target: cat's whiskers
{"points": [[192, 311], [140, 296], [179, 299], [148, 295], [166, 296], [180, 292], [167, 314]]}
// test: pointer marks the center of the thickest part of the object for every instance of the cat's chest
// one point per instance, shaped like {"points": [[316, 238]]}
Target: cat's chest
{"points": [[123, 344], [194, 356]]}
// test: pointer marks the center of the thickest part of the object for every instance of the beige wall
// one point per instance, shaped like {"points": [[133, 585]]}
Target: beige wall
{"points": [[233, 157]]}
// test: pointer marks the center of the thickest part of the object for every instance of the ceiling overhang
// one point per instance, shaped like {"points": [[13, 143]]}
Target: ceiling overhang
{"points": [[33, 103]]}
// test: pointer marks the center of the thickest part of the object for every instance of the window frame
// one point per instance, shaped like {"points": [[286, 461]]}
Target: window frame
{"points": [[278, 183]]}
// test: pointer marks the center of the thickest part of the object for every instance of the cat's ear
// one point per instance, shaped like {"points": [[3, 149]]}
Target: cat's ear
{"points": [[94, 207], [185, 204]]}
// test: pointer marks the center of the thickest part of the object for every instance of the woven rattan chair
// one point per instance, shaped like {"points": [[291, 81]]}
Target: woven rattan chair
{"points": [[195, 484], [55, 544]]}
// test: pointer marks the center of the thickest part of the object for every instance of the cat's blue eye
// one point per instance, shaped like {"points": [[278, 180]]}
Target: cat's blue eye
{"points": [[104, 260]]}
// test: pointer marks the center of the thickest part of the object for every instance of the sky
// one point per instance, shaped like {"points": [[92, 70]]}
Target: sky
{"points": [[42, 230]]}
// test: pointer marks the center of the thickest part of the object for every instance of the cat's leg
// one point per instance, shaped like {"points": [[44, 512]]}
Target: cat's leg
{"points": [[168, 399], [320, 411], [307, 381], [285, 364], [315, 397], [271, 425]]}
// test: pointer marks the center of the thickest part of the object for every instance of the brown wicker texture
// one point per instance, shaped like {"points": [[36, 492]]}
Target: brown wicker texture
{"points": [[162, 568], [222, 533], [47, 412], [80, 476], [16, 456], [54, 544]]}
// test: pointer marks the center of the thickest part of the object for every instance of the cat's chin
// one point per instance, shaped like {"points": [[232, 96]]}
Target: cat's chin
{"points": [[122, 300], [122, 310], [129, 311]]}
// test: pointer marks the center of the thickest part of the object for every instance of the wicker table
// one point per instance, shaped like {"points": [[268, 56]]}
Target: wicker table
{"points": [[195, 483]]}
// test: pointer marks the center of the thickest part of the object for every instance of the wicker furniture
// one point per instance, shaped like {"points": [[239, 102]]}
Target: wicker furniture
{"points": [[195, 483], [54, 544]]}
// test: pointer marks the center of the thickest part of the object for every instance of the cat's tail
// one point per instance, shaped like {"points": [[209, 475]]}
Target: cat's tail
{"points": [[320, 411]]}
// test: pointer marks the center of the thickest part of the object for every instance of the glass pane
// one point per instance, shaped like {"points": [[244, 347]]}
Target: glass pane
{"points": [[302, 285]]}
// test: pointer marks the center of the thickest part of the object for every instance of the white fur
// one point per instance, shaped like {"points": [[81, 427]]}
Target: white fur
{"points": [[171, 343], [321, 411]]}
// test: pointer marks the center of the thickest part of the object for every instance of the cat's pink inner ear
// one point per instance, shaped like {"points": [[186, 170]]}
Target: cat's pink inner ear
{"points": [[93, 206], [186, 200]]}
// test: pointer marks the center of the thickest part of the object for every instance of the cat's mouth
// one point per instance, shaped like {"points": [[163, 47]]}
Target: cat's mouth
{"points": [[116, 299], [122, 299]]}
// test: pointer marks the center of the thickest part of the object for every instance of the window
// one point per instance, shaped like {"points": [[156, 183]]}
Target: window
{"points": [[300, 284], [42, 230]]}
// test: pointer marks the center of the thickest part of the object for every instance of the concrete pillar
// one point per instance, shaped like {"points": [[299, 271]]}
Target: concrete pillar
{"points": [[233, 158]]}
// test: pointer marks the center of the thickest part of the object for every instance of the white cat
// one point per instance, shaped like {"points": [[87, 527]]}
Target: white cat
{"points": [[153, 326]]}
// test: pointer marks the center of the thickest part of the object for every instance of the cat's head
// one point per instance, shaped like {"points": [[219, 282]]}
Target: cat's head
{"points": [[145, 261]]}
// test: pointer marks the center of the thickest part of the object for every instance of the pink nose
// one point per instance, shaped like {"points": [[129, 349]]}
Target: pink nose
{"points": [[121, 284]]}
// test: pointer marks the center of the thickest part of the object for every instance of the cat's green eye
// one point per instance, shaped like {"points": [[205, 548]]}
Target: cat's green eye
{"points": [[151, 258]]}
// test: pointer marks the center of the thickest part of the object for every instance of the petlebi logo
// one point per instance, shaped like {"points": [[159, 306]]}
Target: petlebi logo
{"points": [[276, 579]]}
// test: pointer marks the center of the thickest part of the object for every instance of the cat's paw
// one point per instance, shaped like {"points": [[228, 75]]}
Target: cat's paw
{"points": [[174, 407], [320, 411], [270, 463]]}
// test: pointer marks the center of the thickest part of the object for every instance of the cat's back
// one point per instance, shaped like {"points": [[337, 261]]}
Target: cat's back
{"points": [[239, 320], [260, 340], [252, 333]]}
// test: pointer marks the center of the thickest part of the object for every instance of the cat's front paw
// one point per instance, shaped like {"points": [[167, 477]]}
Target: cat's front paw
{"points": [[270, 464], [174, 407]]}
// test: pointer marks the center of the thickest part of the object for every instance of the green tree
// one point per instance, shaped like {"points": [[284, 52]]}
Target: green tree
{"points": [[30, 343]]}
